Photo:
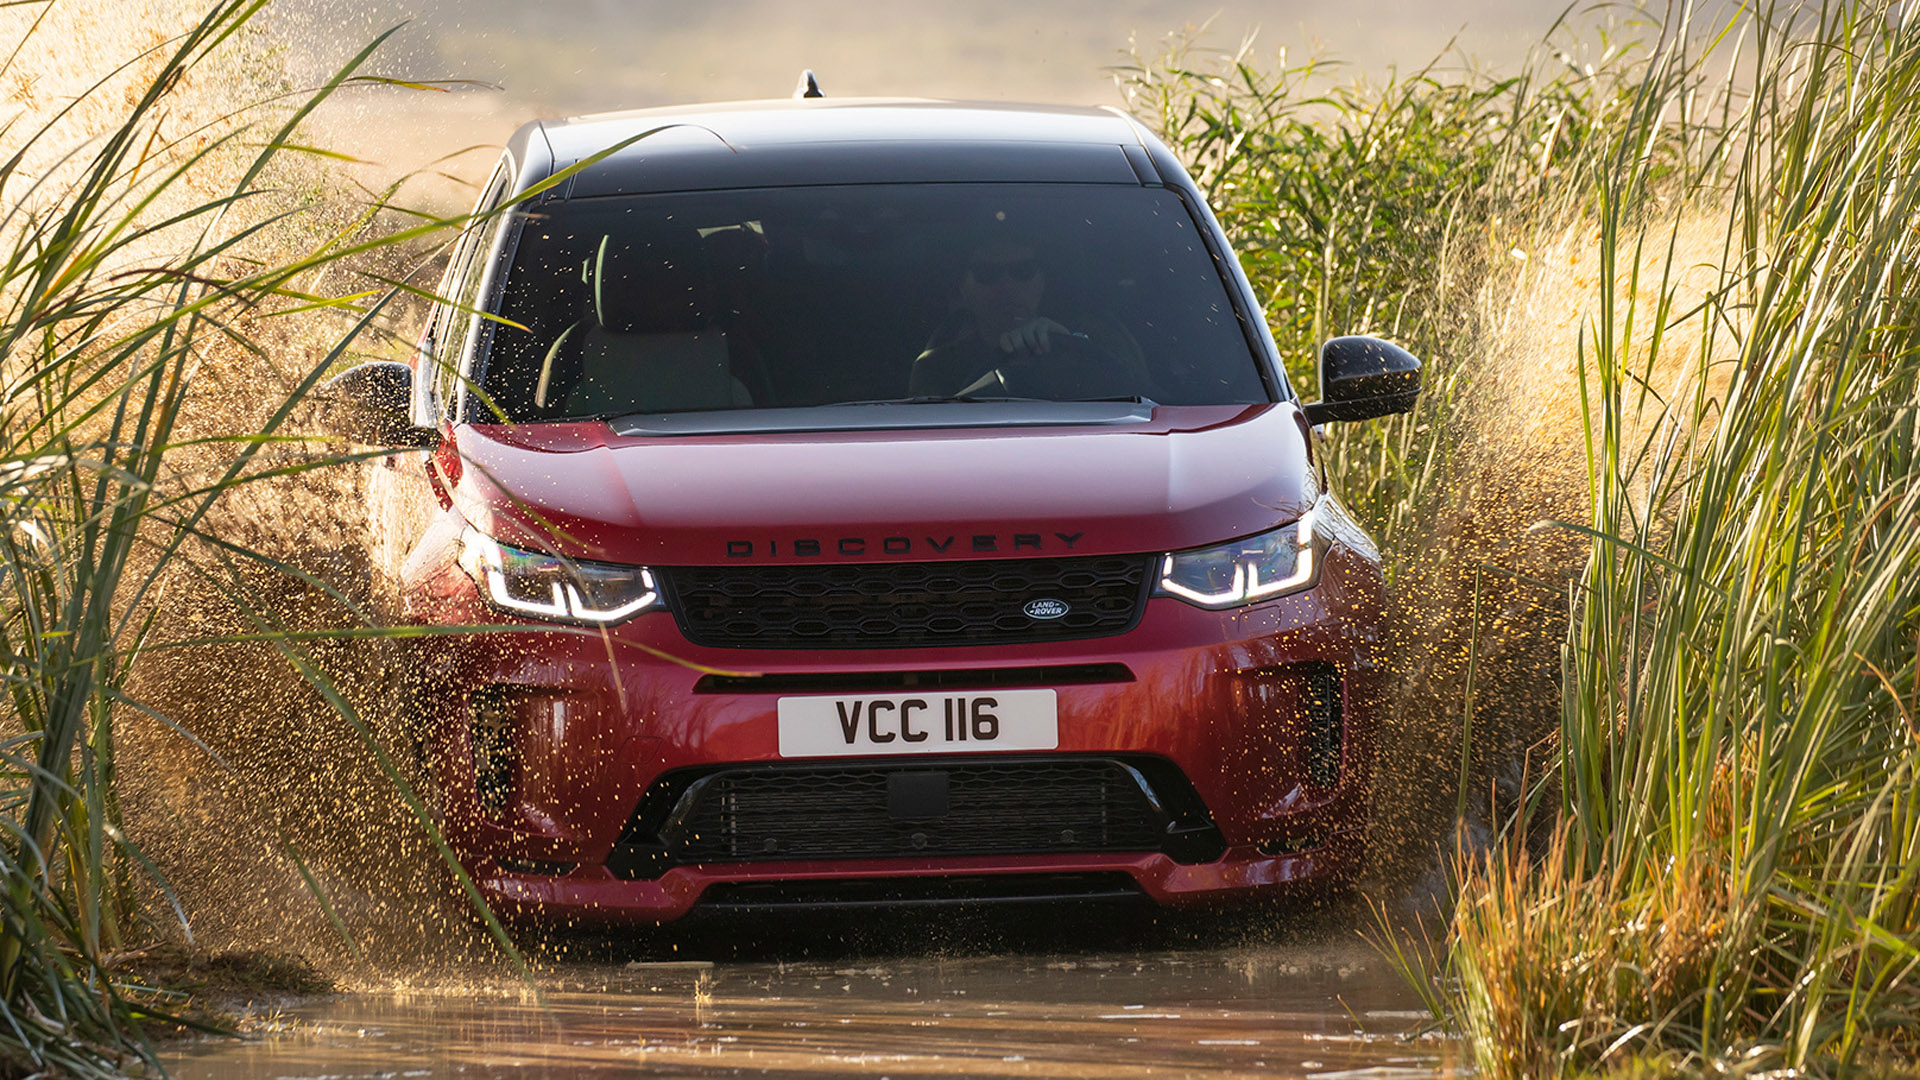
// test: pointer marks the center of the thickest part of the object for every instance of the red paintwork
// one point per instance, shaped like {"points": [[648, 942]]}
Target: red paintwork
{"points": [[1191, 476], [603, 714]]}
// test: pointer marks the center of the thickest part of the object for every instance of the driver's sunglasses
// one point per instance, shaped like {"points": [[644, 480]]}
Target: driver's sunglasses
{"points": [[992, 273]]}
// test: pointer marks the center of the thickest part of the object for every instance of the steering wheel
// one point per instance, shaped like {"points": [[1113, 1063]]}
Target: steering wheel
{"points": [[1071, 368]]}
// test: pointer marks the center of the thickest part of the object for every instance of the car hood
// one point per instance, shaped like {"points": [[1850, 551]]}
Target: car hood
{"points": [[1185, 477]]}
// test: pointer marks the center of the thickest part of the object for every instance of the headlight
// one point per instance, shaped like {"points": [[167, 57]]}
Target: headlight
{"points": [[1272, 564], [549, 587]]}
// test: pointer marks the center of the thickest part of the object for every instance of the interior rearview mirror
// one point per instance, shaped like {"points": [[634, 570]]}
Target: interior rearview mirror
{"points": [[1363, 377], [371, 403]]}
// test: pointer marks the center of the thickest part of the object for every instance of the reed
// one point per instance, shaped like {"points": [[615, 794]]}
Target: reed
{"points": [[129, 255], [1735, 777], [1669, 302]]}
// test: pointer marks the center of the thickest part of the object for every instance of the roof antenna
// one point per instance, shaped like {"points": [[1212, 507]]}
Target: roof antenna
{"points": [[809, 86]]}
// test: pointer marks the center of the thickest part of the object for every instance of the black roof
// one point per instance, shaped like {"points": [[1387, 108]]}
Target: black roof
{"points": [[839, 141]]}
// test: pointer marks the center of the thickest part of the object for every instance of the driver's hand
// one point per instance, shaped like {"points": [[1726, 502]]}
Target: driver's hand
{"points": [[1030, 336]]}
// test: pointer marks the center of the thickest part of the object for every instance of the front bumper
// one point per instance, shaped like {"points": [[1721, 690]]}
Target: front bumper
{"points": [[545, 744]]}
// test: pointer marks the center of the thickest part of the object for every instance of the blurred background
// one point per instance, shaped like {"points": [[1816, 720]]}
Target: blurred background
{"points": [[583, 55], [563, 57]]}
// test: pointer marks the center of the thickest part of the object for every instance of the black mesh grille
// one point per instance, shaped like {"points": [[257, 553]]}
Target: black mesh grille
{"points": [[496, 759], [877, 810], [890, 605], [1325, 730]]}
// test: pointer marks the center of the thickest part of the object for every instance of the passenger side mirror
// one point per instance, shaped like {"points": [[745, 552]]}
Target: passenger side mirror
{"points": [[371, 404], [1364, 377]]}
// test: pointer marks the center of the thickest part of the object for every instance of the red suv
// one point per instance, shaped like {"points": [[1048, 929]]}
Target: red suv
{"points": [[871, 502]]}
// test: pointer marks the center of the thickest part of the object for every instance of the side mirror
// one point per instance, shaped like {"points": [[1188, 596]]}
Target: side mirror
{"points": [[1364, 377], [371, 404]]}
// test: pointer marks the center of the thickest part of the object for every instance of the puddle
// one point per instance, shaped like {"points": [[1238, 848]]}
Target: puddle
{"points": [[1259, 1011]]}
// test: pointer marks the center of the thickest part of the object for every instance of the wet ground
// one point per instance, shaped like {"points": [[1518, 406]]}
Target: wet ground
{"points": [[1080, 996]]}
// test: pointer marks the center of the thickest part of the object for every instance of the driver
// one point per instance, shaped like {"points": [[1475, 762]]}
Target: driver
{"points": [[997, 321]]}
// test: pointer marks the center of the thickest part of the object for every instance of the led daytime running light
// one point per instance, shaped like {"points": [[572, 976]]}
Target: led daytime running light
{"points": [[578, 608], [1246, 587], [486, 559]]}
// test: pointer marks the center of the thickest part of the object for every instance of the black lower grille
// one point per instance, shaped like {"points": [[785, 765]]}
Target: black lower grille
{"points": [[879, 810], [896, 605], [1326, 734], [851, 812], [496, 759], [957, 890]]}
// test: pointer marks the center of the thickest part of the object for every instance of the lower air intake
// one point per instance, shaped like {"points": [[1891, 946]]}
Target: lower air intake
{"points": [[943, 891], [969, 806], [496, 761], [1326, 729]]}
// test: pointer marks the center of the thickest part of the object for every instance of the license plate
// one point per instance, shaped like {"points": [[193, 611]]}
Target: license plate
{"points": [[945, 723]]}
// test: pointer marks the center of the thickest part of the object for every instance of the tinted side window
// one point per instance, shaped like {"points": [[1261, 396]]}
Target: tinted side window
{"points": [[453, 322]]}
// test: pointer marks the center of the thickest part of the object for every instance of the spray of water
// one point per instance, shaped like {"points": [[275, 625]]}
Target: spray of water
{"points": [[265, 819], [1487, 580]]}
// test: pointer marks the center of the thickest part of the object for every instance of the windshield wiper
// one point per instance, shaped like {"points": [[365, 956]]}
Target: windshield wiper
{"points": [[928, 399], [973, 399]]}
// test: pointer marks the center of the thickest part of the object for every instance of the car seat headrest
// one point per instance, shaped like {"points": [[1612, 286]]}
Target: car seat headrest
{"points": [[655, 284]]}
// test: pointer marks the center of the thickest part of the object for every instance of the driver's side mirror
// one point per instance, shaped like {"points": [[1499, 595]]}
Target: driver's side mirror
{"points": [[1364, 377], [372, 403]]}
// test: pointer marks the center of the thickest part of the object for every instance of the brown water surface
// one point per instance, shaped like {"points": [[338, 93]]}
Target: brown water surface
{"points": [[1290, 1009]]}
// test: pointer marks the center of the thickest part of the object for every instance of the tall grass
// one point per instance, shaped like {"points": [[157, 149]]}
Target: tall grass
{"points": [[1735, 870], [129, 259], [1671, 302], [1391, 203]]}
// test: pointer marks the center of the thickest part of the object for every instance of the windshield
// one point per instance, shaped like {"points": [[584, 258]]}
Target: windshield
{"points": [[783, 298]]}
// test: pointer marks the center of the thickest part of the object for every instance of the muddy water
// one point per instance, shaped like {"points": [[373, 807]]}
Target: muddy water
{"points": [[1320, 1008]]}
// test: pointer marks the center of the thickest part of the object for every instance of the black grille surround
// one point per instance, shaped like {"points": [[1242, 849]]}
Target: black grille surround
{"points": [[907, 604], [1005, 805]]}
